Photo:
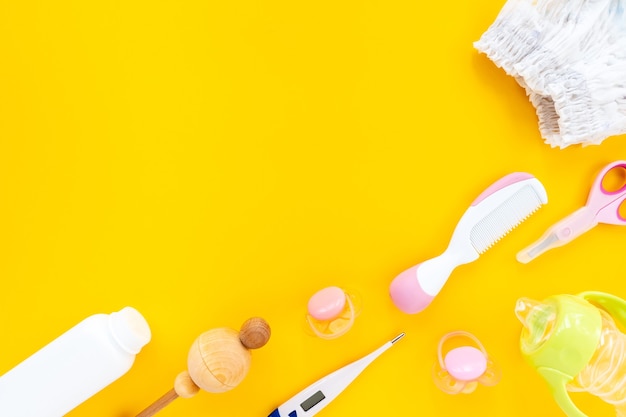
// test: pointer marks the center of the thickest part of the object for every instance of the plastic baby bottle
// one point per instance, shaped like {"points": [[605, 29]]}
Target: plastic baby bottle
{"points": [[577, 347], [74, 366]]}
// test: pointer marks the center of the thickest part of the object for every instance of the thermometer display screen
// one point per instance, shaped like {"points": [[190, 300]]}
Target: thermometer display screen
{"points": [[312, 401]]}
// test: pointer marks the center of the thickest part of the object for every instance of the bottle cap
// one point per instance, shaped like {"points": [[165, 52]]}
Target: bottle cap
{"points": [[559, 338], [574, 331], [130, 329]]}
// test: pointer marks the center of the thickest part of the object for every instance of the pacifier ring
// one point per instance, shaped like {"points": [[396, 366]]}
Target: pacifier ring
{"points": [[463, 368]]}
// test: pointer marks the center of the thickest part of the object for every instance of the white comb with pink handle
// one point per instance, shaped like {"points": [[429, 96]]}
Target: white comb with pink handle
{"points": [[498, 210]]}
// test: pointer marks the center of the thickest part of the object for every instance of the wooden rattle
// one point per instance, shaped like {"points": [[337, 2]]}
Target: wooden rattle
{"points": [[218, 361]]}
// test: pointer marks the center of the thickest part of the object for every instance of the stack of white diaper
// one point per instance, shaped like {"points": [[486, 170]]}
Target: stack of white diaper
{"points": [[570, 56]]}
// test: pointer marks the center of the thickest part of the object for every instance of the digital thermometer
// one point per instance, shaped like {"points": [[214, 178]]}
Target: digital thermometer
{"points": [[317, 395]]}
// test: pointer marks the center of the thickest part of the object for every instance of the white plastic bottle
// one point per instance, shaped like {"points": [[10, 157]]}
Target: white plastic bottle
{"points": [[74, 366]]}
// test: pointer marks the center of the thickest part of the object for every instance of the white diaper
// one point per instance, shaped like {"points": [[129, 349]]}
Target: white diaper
{"points": [[570, 56]]}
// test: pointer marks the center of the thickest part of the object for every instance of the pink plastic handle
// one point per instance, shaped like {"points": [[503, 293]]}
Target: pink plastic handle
{"points": [[606, 204]]}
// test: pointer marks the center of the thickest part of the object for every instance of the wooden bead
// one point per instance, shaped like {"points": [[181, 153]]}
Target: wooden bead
{"points": [[255, 333], [218, 361], [184, 385]]}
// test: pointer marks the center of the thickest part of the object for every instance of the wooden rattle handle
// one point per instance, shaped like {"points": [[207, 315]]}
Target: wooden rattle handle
{"points": [[224, 346], [184, 387], [159, 404]]}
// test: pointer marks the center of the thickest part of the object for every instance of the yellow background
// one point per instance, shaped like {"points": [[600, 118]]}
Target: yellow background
{"points": [[208, 161]]}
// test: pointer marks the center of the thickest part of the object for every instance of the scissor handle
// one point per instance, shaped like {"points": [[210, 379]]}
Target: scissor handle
{"points": [[606, 202]]}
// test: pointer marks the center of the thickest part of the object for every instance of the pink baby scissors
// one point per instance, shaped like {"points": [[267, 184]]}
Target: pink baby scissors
{"points": [[603, 206]]}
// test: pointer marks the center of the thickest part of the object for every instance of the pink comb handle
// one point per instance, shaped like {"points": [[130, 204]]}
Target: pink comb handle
{"points": [[407, 293]]}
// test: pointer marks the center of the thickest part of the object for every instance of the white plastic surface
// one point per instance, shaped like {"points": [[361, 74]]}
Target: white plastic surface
{"points": [[480, 227], [329, 386], [74, 366]]}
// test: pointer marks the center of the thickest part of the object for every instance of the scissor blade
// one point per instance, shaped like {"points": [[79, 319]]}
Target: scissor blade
{"points": [[560, 233]]}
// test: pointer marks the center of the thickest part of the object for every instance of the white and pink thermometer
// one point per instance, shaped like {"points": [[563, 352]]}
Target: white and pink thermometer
{"points": [[318, 395], [499, 209]]}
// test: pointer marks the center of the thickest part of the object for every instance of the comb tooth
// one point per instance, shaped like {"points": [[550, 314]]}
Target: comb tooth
{"points": [[504, 218]]}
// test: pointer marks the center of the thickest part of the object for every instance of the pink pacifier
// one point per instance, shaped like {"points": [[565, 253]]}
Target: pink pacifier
{"points": [[463, 368], [331, 312]]}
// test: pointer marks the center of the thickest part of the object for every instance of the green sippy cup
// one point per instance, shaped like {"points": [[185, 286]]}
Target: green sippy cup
{"points": [[576, 346]]}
